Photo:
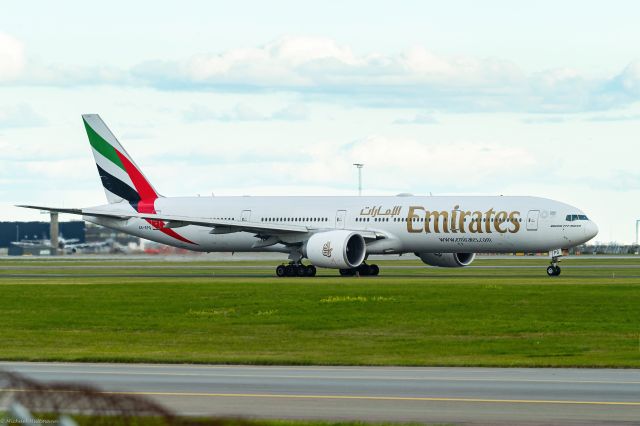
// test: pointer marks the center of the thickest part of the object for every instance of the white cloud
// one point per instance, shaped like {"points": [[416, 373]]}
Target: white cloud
{"points": [[320, 68], [245, 112], [20, 115], [11, 57], [306, 62], [615, 117], [417, 119], [292, 112], [412, 158], [39, 74], [548, 119], [62, 170], [394, 162], [630, 78], [278, 63]]}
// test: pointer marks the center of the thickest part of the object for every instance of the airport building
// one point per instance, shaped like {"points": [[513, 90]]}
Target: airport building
{"points": [[11, 232], [34, 239]]}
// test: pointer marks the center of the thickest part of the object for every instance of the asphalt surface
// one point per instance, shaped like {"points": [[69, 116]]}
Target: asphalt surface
{"points": [[451, 395], [210, 271], [262, 267]]}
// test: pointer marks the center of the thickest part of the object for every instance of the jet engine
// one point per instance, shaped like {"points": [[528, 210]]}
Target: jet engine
{"points": [[339, 249], [447, 260]]}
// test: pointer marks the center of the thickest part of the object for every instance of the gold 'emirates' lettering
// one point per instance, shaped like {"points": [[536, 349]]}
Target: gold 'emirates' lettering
{"points": [[420, 220]]}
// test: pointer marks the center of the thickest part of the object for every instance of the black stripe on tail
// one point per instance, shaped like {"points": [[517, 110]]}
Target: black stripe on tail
{"points": [[118, 187]]}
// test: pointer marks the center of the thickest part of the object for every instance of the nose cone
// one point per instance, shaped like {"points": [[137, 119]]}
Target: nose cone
{"points": [[590, 230]]}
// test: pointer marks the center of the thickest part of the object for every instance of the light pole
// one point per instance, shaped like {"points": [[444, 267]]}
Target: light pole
{"points": [[359, 166], [637, 229]]}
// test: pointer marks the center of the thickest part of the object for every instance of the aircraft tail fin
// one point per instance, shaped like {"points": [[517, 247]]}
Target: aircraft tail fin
{"points": [[121, 178]]}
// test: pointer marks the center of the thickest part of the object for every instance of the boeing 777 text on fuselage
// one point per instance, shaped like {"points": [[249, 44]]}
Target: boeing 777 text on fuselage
{"points": [[331, 232]]}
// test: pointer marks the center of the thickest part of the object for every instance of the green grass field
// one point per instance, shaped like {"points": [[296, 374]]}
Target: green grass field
{"points": [[414, 316], [83, 420]]}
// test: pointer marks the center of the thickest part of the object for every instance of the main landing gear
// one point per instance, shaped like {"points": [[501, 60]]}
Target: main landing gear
{"points": [[296, 270], [554, 269], [363, 270]]}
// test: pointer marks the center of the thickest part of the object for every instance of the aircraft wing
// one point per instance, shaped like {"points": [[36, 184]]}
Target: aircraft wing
{"points": [[174, 221], [218, 226]]}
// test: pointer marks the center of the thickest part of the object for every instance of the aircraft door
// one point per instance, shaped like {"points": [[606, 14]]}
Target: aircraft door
{"points": [[246, 215], [340, 218], [532, 220]]}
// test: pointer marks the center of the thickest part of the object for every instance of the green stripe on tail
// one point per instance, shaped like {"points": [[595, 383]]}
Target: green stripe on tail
{"points": [[102, 146]]}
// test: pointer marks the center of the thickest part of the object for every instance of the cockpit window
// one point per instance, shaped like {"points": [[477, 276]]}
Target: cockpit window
{"points": [[572, 217]]}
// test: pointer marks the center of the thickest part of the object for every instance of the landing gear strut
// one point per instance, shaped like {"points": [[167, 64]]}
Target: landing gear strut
{"points": [[363, 270], [294, 269], [554, 269]]}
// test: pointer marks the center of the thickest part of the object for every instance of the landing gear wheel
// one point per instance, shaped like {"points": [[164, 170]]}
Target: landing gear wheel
{"points": [[347, 272], [364, 270], [310, 271], [280, 270], [553, 271], [301, 270], [374, 270], [289, 271]]}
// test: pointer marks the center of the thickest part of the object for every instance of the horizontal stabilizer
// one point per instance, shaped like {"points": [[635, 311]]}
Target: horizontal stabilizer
{"points": [[53, 209], [81, 212]]}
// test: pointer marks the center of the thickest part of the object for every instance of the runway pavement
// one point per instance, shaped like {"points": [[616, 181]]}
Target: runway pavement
{"points": [[229, 271], [53, 266], [453, 395]]}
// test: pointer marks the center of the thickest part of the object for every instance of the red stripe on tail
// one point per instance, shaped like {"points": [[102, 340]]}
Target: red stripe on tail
{"points": [[144, 188], [148, 198]]}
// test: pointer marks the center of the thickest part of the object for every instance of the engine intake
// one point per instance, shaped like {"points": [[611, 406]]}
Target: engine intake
{"points": [[339, 249], [447, 260]]}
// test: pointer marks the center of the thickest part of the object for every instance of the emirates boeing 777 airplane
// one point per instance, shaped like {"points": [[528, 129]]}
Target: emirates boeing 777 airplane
{"points": [[331, 232]]}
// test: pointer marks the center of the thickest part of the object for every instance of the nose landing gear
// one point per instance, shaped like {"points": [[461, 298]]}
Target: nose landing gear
{"points": [[554, 269]]}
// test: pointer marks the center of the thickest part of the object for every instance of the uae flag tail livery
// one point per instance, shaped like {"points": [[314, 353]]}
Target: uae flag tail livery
{"points": [[122, 179]]}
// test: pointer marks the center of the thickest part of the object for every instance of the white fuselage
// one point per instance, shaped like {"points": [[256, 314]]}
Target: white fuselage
{"points": [[435, 224]]}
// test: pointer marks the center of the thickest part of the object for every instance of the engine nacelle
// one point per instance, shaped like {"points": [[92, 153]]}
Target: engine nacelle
{"points": [[447, 260], [339, 249]]}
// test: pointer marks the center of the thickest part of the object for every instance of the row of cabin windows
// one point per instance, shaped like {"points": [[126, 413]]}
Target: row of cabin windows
{"points": [[395, 219], [294, 219], [421, 219], [572, 217]]}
